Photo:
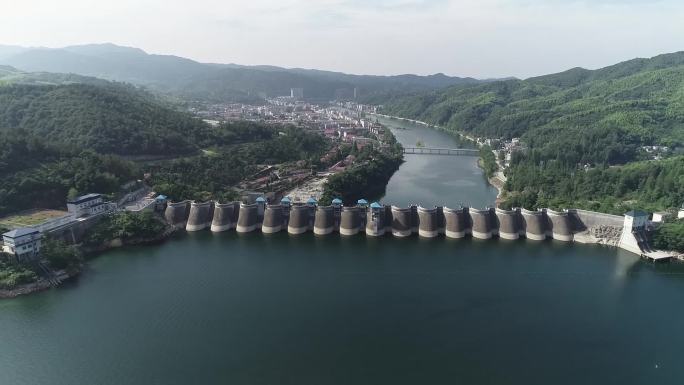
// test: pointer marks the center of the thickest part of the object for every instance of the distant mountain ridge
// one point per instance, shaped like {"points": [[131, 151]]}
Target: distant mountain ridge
{"points": [[219, 82]]}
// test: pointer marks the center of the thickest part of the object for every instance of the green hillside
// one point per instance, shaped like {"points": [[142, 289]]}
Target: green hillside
{"points": [[105, 118], [639, 102], [573, 120]]}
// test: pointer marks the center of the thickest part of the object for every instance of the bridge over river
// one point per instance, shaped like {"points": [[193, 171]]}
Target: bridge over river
{"points": [[441, 151]]}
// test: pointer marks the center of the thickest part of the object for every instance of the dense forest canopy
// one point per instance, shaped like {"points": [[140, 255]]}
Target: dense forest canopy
{"points": [[109, 118], [618, 108]]}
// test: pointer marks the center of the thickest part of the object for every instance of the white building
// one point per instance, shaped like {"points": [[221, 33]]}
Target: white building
{"points": [[660, 216], [24, 243], [680, 214], [90, 204], [297, 93]]}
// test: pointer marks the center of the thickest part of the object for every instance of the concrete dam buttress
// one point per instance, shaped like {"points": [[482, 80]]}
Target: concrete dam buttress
{"points": [[427, 222], [509, 223], [456, 222], [561, 227], [273, 219], [350, 220], [200, 217], [535, 224], [300, 216], [401, 221], [248, 218], [176, 214], [482, 223], [324, 221], [225, 216]]}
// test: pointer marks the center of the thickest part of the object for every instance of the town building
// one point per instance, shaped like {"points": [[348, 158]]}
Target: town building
{"points": [[297, 93], [24, 243], [90, 204]]}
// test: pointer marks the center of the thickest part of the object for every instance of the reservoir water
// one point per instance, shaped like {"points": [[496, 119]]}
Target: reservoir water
{"points": [[228, 309]]}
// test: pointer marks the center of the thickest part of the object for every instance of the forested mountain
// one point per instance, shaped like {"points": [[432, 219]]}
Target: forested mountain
{"points": [[218, 82], [607, 112], [576, 126], [109, 118]]}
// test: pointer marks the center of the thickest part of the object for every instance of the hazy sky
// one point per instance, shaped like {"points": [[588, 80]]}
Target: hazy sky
{"points": [[480, 38]]}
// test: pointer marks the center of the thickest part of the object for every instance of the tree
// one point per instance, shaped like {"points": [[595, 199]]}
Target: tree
{"points": [[59, 254]]}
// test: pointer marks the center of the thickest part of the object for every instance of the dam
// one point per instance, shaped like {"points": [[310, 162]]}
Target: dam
{"points": [[376, 220]]}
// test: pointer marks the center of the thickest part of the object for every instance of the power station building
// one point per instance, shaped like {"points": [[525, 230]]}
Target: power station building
{"points": [[24, 243]]}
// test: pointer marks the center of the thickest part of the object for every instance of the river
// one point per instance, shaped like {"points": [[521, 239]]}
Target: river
{"points": [[253, 309]]}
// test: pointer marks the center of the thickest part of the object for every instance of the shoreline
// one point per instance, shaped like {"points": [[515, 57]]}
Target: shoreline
{"points": [[493, 181], [40, 285], [62, 276]]}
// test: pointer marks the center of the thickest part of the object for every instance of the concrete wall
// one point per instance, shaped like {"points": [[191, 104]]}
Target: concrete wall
{"points": [[583, 220], [75, 231]]}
